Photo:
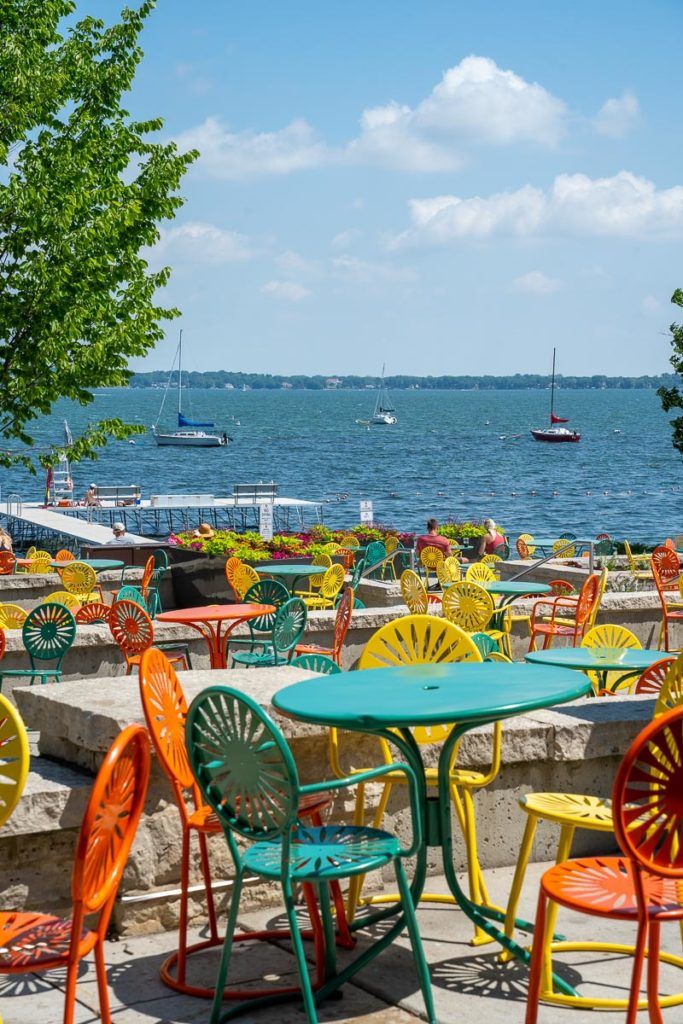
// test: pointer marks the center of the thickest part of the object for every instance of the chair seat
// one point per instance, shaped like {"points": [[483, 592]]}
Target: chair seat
{"points": [[570, 809], [263, 658], [37, 940], [313, 649], [318, 603], [556, 629], [331, 851], [604, 886]]}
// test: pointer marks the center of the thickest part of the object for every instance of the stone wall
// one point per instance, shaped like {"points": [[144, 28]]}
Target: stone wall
{"points": [[574, 748]]}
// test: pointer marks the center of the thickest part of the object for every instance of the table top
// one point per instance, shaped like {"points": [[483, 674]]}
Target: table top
{"points": [[215, 613], [588, 658], [293, 569], [508, 587], [414, 695], [98, 564]]}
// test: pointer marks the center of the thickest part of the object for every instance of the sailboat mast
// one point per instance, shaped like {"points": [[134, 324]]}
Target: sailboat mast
{"points": [[180, 372], [552, 389]]}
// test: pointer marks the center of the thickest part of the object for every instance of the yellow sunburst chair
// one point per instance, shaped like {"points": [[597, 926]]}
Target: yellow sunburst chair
{"points": [[14, 758], [611, 635], [470, 607]]}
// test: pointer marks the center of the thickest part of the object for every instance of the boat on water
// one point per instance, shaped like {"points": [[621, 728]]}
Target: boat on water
{"points": [[555, 434], [384, 414], [190, 434]]}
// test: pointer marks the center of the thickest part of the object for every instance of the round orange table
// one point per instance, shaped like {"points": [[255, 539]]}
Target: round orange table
{"points": [[216, 622]]}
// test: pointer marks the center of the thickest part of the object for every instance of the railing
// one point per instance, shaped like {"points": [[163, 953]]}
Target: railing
{"points": [[18, 502], [558, 554]]}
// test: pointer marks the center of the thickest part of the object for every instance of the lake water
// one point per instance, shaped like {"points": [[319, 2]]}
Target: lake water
{"points": [[443, 458]]}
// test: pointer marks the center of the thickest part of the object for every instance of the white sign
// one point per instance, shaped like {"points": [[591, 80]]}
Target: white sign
{"points": [[366, 513], [265, 519]]}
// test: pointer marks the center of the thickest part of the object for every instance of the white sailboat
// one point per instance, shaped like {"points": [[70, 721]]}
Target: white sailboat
{"points": [[189, 433], [384, 413]]}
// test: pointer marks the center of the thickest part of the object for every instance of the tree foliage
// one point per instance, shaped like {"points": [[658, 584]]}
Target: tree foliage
{"points": [[82, 193], [671, 397]]}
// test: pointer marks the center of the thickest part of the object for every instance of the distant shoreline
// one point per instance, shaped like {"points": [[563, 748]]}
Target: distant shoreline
{"points": [[227, 381]]}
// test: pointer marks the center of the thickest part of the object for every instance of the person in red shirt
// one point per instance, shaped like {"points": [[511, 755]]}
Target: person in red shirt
{"points": [[433, 539]]}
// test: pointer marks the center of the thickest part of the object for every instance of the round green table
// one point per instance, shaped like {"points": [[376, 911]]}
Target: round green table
{"points": [[292, 572], [98, 564], [390, 702], [628, 661]]}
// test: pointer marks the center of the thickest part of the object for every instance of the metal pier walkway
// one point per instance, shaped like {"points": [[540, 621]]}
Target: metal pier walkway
{"points": [[51, 521]]}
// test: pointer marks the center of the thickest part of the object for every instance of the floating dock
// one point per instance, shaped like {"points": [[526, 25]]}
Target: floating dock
{"points": [[29, 522]]}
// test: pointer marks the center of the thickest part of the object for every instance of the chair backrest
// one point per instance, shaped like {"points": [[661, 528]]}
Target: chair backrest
{"points": [[12, 616], [147, 574], [523, 549], [243, 578], [347, 556], [7, 563], [48, 632], [528, 540], [561, 588], [602, 587], [289, 625], [321, 559], [610, 635], [585, 602], [486, 645], [69, 601], [449, 571], [468, 605], [231, 568], [342, 621], [131, 627], [358, 570], [110, 821], [3, 643], [414, 592], [431, 559], [605, 545], [266, 592], [165, 709], [678, 542], [652, 679], [349, 540], [315, 662], [242, 763], [14, 758], [332, 582], [671, 693], [160, 559], [563, 549], [646, 800], [417, 640], [78, 578], [64, 556], [390, 544], [30, 552], [91, 613], [665, 568], [41, 563], [632, 564], [131, 593], [479, 573], [375, 553], [492, 562], [670, 544]]}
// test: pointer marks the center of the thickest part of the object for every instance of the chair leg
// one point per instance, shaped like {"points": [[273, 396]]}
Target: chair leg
{"points": [[70, 996], [563, 851], [653, 974], [182, 924], [638, 958], [536, 962], [227, 948], [415, 941], [356, 882], [206, 875], [478, 889], [102, 990], [518, 880], [297, 944]]}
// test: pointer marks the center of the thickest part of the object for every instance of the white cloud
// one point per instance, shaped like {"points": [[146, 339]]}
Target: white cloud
{"points": [[623, 206], [292, 264], [537, 283], [233, 156], [476, 102], [364, 272], [617, 116], [344, 239], [202, 243], [650, 304], [287, 291]]}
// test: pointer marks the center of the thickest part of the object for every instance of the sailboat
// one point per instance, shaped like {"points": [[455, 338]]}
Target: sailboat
{"points": [[554, 433], [189, 434], [384, 414]]}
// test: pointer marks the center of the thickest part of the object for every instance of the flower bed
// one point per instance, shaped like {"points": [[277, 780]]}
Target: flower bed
{"points": [[251, 547]]}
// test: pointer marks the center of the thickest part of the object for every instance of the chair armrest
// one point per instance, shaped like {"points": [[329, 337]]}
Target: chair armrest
{"points": [[369, 776]]}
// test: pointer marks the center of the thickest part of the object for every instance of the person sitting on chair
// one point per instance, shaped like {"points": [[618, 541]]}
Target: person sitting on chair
{"points": [[5, 540], [433, 539], [492, 543]]}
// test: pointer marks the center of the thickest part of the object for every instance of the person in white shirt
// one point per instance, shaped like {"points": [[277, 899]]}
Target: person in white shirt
{"points": [[120, 535]]}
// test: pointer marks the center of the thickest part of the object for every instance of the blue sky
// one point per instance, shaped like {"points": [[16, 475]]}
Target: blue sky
{"points": [[448, 187]]}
